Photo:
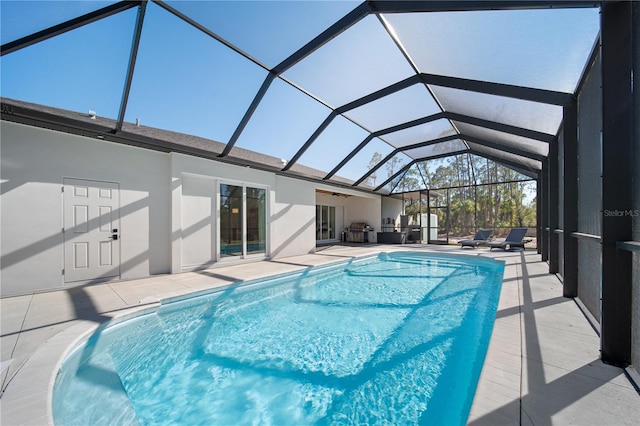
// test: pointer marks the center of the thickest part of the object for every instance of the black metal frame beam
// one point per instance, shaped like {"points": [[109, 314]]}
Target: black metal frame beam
{"points": [[132, 64], [348, 158], [617, 186], [570, 202], [451, 154], [499, 89], [552, 205], [360, 12], [442, 188], [69, 25], [352, 105], [539, 214], [248, 114], [378, 133], [333, 31], [518, 131], [544, 211], [533, 176], [311, 139], [403, 6], [448, 154], [504, 148], [401, 149], [207, 31], [520, 168], [517, 162], [98, 130], [350, 19], [395, 175], [445, 155], [500, 127], [392, 88]]}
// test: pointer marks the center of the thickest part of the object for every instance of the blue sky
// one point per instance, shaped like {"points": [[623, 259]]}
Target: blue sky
{"points": [[188, 82]]}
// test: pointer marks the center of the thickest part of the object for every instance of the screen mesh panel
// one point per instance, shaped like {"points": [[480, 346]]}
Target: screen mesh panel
{"points": [[560, 180], [590, 189], [436, 149], [42, 14], [459, 43], [516, 112], [241, 21], [589, 261], [590, 153], [36, 73], [335, 72], [420, 133], [166, 87], [402, 106]]}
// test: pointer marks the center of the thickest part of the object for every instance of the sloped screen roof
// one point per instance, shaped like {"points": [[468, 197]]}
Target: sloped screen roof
{"points": [[343, 92]]}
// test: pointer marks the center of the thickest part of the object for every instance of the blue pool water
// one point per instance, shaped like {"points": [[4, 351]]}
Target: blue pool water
{"points": [[395, 339]]}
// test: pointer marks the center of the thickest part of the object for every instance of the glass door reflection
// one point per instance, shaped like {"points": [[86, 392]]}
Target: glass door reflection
{"points": [[256, 220], [231, 220]]}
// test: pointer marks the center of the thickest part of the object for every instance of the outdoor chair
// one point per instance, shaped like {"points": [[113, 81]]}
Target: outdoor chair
{"points": [[481, 238], [514, 239]]}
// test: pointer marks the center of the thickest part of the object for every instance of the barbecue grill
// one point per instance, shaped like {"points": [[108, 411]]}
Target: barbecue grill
{"points": [[358, 232]]}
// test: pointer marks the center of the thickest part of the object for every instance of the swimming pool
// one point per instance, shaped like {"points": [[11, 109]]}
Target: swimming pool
{"points": [[395, 339]]}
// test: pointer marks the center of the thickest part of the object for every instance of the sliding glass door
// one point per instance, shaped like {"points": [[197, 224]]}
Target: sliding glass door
{"points": [[231, 220], [243, 220], [256, 220], [325, 223]]}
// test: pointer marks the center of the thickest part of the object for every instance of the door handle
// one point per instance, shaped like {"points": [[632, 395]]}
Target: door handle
{"points": [[114, 237]]}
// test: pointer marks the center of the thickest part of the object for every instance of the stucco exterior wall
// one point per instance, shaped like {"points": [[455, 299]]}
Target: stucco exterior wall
{"points": [[34, 163], [293, 218], [392, 209], [168, 207]]}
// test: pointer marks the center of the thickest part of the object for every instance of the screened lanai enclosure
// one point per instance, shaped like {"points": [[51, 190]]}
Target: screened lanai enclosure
{"points": [[495, 114], [464, 193]]}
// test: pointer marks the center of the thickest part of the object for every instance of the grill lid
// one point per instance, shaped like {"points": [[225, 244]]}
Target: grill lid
{"points": [[357, 226]]}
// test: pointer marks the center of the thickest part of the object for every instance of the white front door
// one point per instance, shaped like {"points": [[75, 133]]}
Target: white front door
{"points": [[91, 230]]}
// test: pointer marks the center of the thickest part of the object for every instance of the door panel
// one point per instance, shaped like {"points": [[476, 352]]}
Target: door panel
{"points": [[91, 230], [256, 220], [231, 220]]}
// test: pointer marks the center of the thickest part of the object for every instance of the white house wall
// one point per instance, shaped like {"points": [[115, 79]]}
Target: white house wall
{"points": [[357, 207], [167, 206], [34, 163], [342, 206], [194, 184], [364, 209], [293, 217], [198, 225], [392, 209]]}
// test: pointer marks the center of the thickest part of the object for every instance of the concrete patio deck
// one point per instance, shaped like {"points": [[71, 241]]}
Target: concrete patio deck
{"points": [[542, 365]]}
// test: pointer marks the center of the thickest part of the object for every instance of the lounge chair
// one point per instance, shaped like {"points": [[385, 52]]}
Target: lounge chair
{"points": [[481, 238], [514, 239]]}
